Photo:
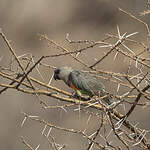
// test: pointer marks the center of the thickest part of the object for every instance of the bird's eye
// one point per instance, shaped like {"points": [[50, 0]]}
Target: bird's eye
{"points": [[57, 71]]}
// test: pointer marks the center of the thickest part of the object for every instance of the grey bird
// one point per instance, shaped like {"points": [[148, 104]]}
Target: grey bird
{"points": [[81, 82]]}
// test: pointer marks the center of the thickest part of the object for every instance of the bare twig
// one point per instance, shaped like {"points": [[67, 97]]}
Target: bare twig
{"points": [[135, 18]]}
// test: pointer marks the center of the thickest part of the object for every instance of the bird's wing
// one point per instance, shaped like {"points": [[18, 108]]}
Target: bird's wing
{"points": [[85, 82]]}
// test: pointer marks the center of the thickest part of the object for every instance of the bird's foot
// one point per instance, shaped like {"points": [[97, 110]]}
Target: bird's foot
{"points": [[77, 96]]}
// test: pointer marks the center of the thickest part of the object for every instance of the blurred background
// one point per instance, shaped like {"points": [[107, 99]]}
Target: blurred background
{"points": [[22, 22]]}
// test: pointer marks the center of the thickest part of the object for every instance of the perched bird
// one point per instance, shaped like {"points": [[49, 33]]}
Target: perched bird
{"points": [[81, 82]]}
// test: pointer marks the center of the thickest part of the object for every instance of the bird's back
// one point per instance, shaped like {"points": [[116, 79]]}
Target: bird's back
{"points": [[86, 83]]}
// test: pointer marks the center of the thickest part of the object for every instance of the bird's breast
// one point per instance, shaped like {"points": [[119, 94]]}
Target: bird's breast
{"points": [[72, 86]]}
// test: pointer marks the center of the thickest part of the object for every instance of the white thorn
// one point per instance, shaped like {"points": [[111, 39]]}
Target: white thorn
{"points": [[48, 132], [131, 34], [37, 147], [44, 129], [116, 55], [118, 87], [50, 79], [25, 118]]}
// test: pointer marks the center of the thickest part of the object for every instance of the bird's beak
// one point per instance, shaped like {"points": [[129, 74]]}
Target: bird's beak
{"points": [[55, 76]]}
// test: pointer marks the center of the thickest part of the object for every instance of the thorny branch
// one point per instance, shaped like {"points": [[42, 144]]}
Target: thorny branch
{"points": [[14, 54], [129, 82]]}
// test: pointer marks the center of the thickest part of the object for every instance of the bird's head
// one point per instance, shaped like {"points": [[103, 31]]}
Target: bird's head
{"points": [[62, 73]]}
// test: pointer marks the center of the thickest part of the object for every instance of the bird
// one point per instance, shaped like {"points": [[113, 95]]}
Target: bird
{"points": [[83, 83]]}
